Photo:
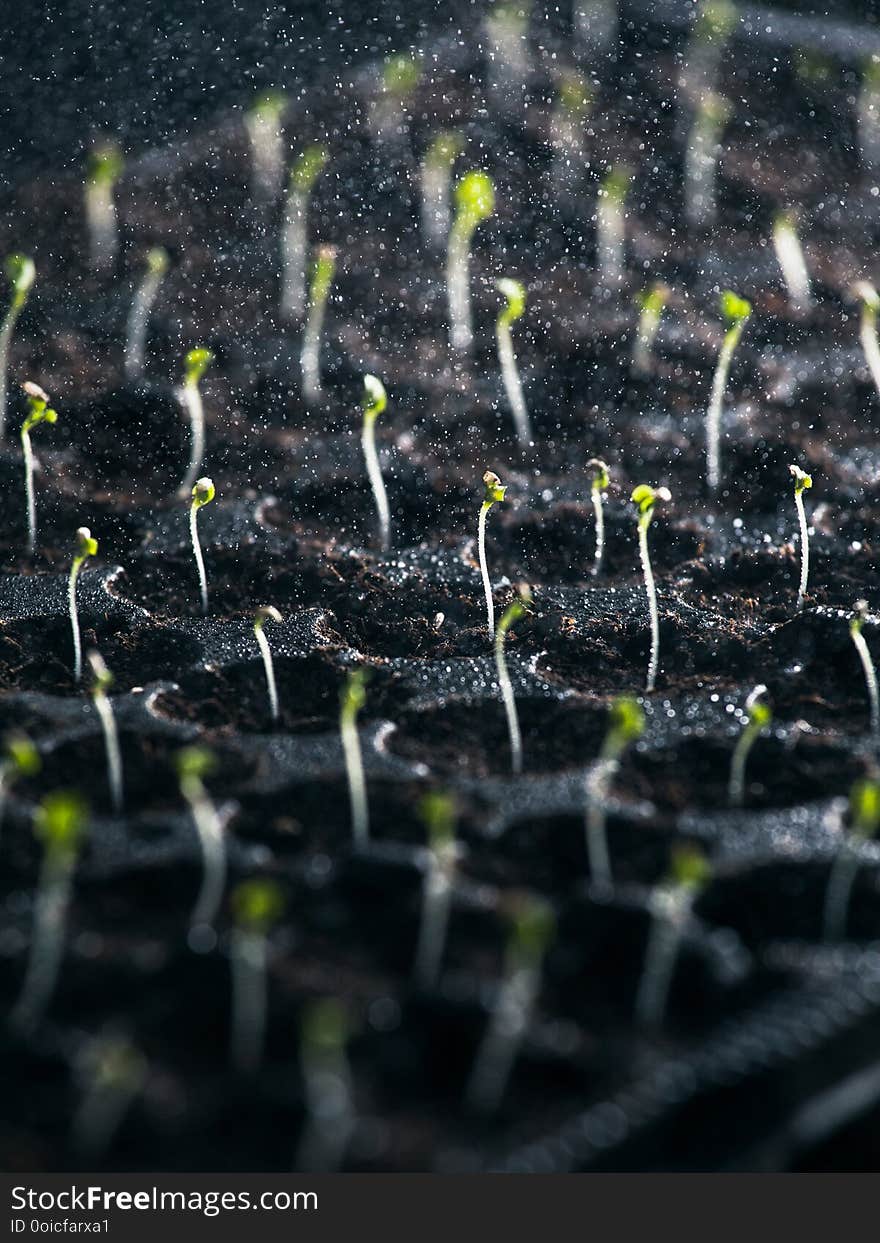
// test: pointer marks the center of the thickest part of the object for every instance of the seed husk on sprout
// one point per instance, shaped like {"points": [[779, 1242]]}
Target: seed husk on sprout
{"points": [[864, 821], [493, 491], [21, 274], [202, 494], [474, 203], [599, 484], [735, 312], [645, 498], [295, 231], [102, 680], [375, 402], [142, 305], [268, 612], [626, 724], [257, 904], [802, 481], [39, 411], [104, 167], [856, 626], [758, 718], [195, 364], [517, 608], [86, 546], [515, 295], [319, 293]]}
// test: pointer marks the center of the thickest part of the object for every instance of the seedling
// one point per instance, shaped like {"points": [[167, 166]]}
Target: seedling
{"points": [[327, 1085], [436, 184], [571, 114], [111, 1074], [671, 904], [257, 905], [20, 759], [652, 302], [352, 700], [864, 821], [517, 608], [438, 813], [86, 547], [801, 482], [856, 625], [21, 274], [758, 717], [715, 23], [60, 825], [645, 498], [202, 494], [194, 764], [103, 169], [493, 490], [388, 111], [869, 114], [295, 232], [141, 308], [701, 159], [598, 487], [507, 64], [375, 402], [195, 364], [319, 293], [474, 203], [533, 927], [264, 125], [790, 256], [626, 724], [735, 312], [870, 301], [39, 411], [102, 680], [515, 294], [268, 612], [611, 226]]}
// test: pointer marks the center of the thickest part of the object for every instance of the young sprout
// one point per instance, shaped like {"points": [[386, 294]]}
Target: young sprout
{"points": [[870, 301], [671, 905], [264, 125], [758, 718], [268, 612], [21, 274], [111, 1073], [652, 302], [351, 700], [474, 203], [598, 487], [20, 759], [39, 411], [295, 231], [195, 364], [568, 124], [869, 114], [86, 547], [103, 170], [328, 1087], [856, 625], [141, 308], [257, 905], [375, 401], [493, 490], [515, 294], [60, 825], [735, 312], [193, 765], [102, 680], [202, 494], [701, 158], [532, 929], [790, 256], [319, 293], [611, 226], [864, 819], [802, 481], [715, 23], [626, 724], [645, 498], [388, 116], [436, 183], [514, 611], [507, 69], [438, 812]]}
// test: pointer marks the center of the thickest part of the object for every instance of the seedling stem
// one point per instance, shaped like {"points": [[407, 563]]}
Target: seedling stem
{"points": [[202, 494], [86, 547], [671, 905], [645, 498], [474, 203], [375, 402], [864, 817], [193, 765], [494, 491], [515, 294], [438, 814], [38, 412], [735, 311], [758, 718]]}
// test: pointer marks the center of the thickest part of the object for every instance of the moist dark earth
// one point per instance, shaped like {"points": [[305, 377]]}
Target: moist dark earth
{"points": [[764, 1019]]}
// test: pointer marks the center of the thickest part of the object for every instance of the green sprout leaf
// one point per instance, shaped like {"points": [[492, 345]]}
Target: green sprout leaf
{"points": [[758, 710], [194, 763], [475, 197], [626, 722], [22, 757], [375, 398], [644, 497], [401, 75], [257, 904], [533, 927], [515, 293], [801, 479], [309, 165], [653, 299], [39, 410], [734, 309], [689, 869], [575, 94], [494, 489], [86, 545], [438, 812], [105, 164], [269, 106], [601, 475], [21, 273], [353, 695], [195, 363], [60, 822], [203, 492], [864, 807]]}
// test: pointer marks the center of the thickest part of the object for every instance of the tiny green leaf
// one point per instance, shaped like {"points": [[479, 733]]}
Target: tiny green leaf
{"points": [[653, 299], [194, 763], [575, 93], [86, 545], [375, 398], [494, 489], [308, 166], [445, 149], [353, 695], [517, 608], [105, 163], [401, 74], [439, 812], [515, 293], [60, 822], [689, 868], [716, 20], [758, 710], [475, 196], [257, 904], [533, 927], [22, 757], [203, 492], [269, 106], [601, 476], [325, 1026], [867, 294], [626, 720], [734, 309], [801, 479], [38, 407], [644, 497], [859, 617], [864, 807], [195, 363]]}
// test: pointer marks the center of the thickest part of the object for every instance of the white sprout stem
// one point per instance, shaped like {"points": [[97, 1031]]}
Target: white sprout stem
{"points": [[310, 355], [598, 781], [294, 248], [870, 680], [374, 474], [357, 786], [840, 882], [599, 511], [74, 619], [269, 666], [27, 448], [104, 708], [670, 915], [101, 223], [736, 786], [610, 237], [197, 553], [700, 166], [461, 332], [191, 400], [651, 590], [713, 415], [213, 846], [436, 176], [868, 338], [47, 943], [330, 1112], [6, 331], [138, 321], [646, 335], [805, 549], [436, 905], [267, 156], [484, 570], [509, 700], [793, 265], [512, 383], [248, 958], [497, 1053], [869, 124]]}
